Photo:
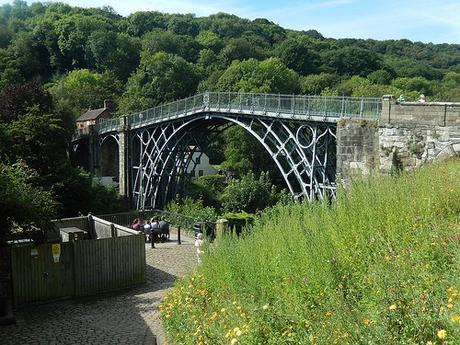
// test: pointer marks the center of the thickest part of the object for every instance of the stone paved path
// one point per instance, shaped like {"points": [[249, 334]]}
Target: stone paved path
{"points": [[128, 317]]}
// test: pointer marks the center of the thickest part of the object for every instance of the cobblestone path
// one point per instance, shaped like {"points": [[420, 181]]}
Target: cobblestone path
{"points": [[128, 317]]}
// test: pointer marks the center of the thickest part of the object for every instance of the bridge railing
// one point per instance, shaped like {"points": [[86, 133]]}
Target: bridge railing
{"points": [[274, 105], [108, 125]]}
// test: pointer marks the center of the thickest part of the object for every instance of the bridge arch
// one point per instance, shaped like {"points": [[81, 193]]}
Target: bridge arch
{"points": [[109, 156], [81, 154], [304, 152]]}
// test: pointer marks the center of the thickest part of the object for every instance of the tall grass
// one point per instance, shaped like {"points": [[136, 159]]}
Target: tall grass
{"points": [[382, 265]]}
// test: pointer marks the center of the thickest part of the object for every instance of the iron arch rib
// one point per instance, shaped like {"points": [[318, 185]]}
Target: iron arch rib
{"points": [[305, 158]]}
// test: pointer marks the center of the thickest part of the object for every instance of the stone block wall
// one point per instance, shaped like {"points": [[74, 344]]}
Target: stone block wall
{"points": [[407, 136], [414, 133], [357, 147], [408, 147]]}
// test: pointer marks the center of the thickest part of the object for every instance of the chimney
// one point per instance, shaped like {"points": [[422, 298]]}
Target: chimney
{"points": [[108, 105]]}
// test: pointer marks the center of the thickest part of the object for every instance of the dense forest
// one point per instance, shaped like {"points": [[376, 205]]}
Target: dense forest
{"points": [[56, 61]]}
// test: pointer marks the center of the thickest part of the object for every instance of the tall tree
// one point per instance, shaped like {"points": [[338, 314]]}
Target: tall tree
{"points": [[160, 77], [82, 89]]}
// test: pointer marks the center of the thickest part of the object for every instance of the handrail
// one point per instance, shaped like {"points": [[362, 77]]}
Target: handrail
{"points": [[302, 107]]}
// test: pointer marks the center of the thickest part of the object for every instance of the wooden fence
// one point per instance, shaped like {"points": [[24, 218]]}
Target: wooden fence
{"points": [[83, 268]]}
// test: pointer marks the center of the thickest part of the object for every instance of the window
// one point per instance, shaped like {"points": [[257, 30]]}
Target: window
{"points": [[198, 160], [200, 172]]}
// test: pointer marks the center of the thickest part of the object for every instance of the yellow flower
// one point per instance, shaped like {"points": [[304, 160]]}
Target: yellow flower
{"points": [[392, 307], [238, 333], [234, 341], [455, 318], [366, 321], [442, 334], [222, 310], [265, 307], [329, 313], [449, 306], [429, 343]]}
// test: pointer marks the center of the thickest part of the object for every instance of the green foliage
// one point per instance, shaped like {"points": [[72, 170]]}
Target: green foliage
{"points": [[239, 221], [270, 75], [210, 40], [82, 89], [249, 194], [46, 40], [192, 208], [362, 87], [418, 85], [171, 43], [33, 130], [352, 61], [77, 192], [298, 55], [208, 189], [107, 49], [160, 77], [380, 265], [314, 84], [22, 204]]}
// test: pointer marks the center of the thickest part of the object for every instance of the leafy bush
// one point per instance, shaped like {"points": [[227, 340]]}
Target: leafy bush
{"points": [[207, 188], [192, 208], [249, 194], [238, 221], [21, 203], [382, 265]]}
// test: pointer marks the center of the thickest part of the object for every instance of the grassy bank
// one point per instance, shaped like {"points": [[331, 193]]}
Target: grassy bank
{"points": [[381, 266]]}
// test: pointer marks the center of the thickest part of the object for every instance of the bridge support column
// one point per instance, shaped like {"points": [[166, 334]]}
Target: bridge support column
{"points": [[93, 151], [123, 158], [357, 148]]}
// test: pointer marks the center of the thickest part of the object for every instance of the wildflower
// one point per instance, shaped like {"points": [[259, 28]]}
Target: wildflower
{"points": [[449, 306], [265, 307], [213, 316], [392, 307], [238, 333], [455, 318], [329, 313], [233, 341], [366, 321], [442, 334], [429, 343], [222, 310]]}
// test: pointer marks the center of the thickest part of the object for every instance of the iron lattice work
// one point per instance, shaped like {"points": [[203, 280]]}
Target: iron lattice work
{"points": [[161, 154], [299, 107]]}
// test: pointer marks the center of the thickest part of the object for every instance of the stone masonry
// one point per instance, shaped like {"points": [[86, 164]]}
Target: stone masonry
{"points": [[406, 136]]}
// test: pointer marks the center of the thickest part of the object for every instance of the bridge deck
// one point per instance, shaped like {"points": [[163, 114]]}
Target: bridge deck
{"points": [[316, 108]]}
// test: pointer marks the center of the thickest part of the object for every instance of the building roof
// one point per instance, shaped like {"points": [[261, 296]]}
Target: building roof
{"points": [[91, 114]]}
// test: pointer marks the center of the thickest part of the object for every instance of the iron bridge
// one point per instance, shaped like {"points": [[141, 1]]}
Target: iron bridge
{"points": [[299, 133]]}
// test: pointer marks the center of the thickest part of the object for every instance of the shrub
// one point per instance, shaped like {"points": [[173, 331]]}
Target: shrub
{"points": [[249, 194], [381, 265], [238, 221]]}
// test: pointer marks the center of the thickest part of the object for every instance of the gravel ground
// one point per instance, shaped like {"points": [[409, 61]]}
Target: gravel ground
{"points": [[128, 317]]}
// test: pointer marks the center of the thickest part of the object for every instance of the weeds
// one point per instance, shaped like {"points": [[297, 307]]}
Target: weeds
{"points": [[382, 265]]}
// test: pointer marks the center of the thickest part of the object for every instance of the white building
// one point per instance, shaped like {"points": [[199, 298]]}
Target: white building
{"points": [[200, 161]]}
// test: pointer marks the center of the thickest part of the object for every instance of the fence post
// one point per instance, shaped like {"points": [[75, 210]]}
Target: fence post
{"points": [[91, 228], [178, 235], [112, 230]]}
